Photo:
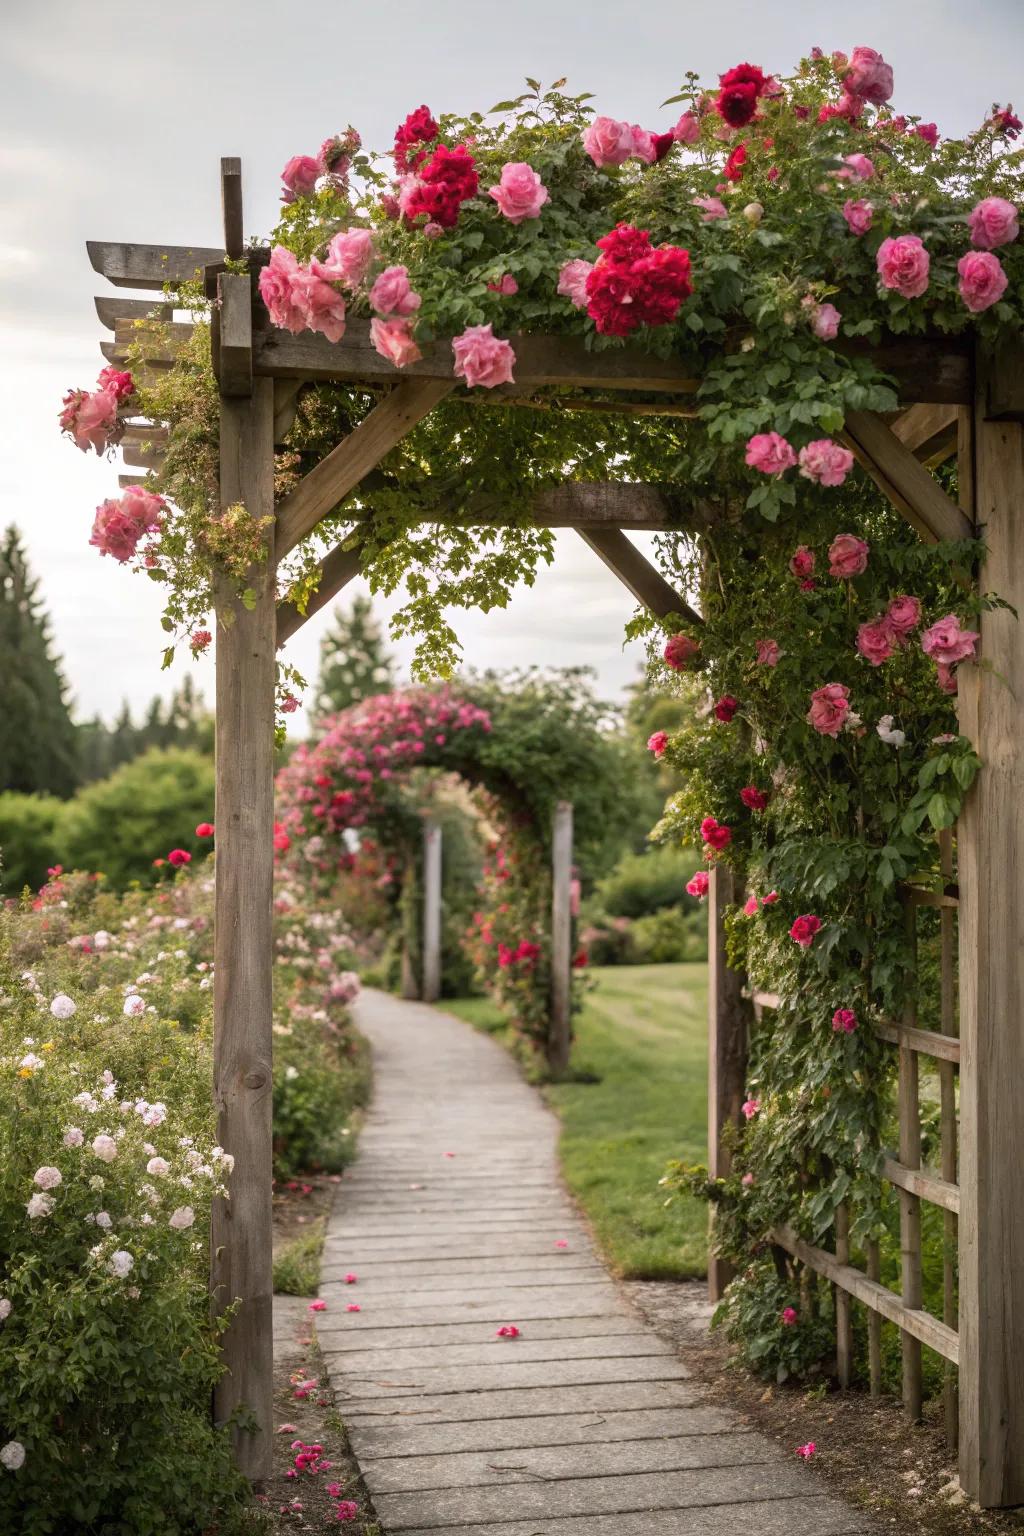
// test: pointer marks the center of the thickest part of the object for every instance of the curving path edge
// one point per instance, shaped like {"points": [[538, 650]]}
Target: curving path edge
{"points": [[455, 1219]]}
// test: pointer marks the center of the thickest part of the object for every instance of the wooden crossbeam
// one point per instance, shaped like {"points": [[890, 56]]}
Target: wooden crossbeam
{"points": [[143, 458], [341, 471], [905, 481], [231, 205], [162, 340], [636, 573], [110, 311], [336, 571], [286, 399], [929, 431], [150, 266]]}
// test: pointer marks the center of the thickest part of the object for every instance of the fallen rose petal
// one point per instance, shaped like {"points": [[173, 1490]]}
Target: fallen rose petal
{"points": [[353, 1306], [351, 1279]]}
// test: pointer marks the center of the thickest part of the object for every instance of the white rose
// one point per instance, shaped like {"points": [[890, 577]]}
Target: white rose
{"points": [[5, 1308], [12, 1456], [105, 1148], [182, 1218], [103, 1220], [134, 1005], [102, 940], [40, 1205], [158, 1166], [121, 1263], [62, 1006], [892, 738], [47, 1177], [73, 1137]]}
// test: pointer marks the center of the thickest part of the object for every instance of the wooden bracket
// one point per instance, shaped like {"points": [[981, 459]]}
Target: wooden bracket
{"points": [[637, 573], [929, 431], [905, 481], [232, 335]]}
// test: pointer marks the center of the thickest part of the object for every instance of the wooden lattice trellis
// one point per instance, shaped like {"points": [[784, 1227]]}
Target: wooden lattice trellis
{"points": [[954, 397]]}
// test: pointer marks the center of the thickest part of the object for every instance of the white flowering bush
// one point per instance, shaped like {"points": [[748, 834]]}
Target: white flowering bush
{"points": [[108, 1167]]}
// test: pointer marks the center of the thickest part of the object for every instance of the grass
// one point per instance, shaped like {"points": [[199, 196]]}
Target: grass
{"points": [[297, 1266], [638, 1098]]}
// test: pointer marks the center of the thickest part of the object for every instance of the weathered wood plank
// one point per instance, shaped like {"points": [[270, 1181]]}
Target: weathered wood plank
{"points": [[843, 1309], [926, 1042], [232, 336], [560, 1022], [112, 311], [161, 340], [728, 1029], [637, 574], [286, 396], [990, 840], [241, 1235], [905, 481], [231, 206], [920, 1325], [336, 570], [150, 266], [929, 431], [909, 1120], [341, 471], [919, 1182], [141, 458]]}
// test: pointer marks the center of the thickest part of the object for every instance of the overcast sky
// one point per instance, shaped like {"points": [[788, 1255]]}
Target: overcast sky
{"points": [[113, 118]]}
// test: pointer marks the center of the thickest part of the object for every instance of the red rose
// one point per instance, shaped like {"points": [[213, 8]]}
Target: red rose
{"points": [[804, 929], [418, 128], [715, 834], [734, 165], [753, 798], [204, 829], [178, 857], [726, 707]]}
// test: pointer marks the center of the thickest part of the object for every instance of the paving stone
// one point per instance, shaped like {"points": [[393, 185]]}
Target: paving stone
{"points": [[430, 1380], [424, 1286], [492, 1312], [370, 1337], [629, 1345], [499, 1294], [455, 1407], [560, 1262], [817, 1516]]}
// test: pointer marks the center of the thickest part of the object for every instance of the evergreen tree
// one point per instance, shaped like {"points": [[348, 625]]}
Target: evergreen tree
{"points": [[38, 745], [354, 663]]}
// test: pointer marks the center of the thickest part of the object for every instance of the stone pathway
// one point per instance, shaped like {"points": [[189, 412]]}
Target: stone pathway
{"points": [[456, 1222]]}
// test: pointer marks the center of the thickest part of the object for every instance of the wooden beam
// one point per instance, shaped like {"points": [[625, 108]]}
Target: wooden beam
{"points": [[728, 1031], [150, 266], [124, 481], [560, 1022], [929, 431], [926, 1042], [341, 471], [111, 311], [990, 848], [1004, 385], [143, 458], [162, 340], [241, 1231], [907, 484], [637, 574], [231, 206], [602, 503], [232, 336], [936, 369], [286, 399], [336, 570], [431, 912], [927, 1186]]}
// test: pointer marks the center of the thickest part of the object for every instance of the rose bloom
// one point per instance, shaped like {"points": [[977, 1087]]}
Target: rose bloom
{"points": [[679, 651], [847, 556], [768, 653], [39, 1206], [769, 453], [105, 1148], [825, 321], [90, 418], [715, 833], [481, 358], [182, 1218], [904, 615], [946, 677], [789, 1316], [876, 641], [858, 215], [687, 129], [993, 222], [608, 142], [12, 1456], [698, 886], [829, 708], [844, 1019], [520, 193], [713, 208], [825, 462], [750, 1108], [391, 294], [804, 929], [299, 176], [134, 1005], [62, 1006], [982, 280], [802, 562], [869, 76], [322, 305], [394, 340], [753, 798], [750, 906], [73, 1137], [572, 281], [856, 168], [886, 733], [116, 382], [657, 743], [47, 1177], [726, 707], [948, 644], [6, 1307], [348, 258], [281, 290], [158, 1166], [903, 264]]}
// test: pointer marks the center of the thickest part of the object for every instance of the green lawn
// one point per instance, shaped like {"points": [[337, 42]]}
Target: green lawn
{"points": [[643, 1035]]}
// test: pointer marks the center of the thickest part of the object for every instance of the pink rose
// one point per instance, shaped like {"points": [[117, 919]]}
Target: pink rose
{"points": [[506, 285], [300, 177], [804, 928], [750, 1108], [946, 678], [715, 834], [829, 708], [802, 562], [876, 641], [824, 320], [929, 132], [869, 76], [393, 339], [946, 643], [770, 453], [348, 258], [856, 168], [903, 265], [281, 290], [481, 358], [754, 799], [993, 222], [679, 651], [768, 653], [847, 556], [657, 742], [89, 418], [790, 1316], [322, 304], [750, 907], [143, 507], [644, 147], [572, 281], [844, 1019], [698, 886], [392, 295], [713, 208], [858, 215], [520, 194], [982, 280], [115, 382], [608, 142], [825, 462], [114, 532], [904, 615], [687, 130]]}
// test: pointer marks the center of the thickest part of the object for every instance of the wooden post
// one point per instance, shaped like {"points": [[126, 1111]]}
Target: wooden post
{"points": [[431, 912], [728, 1015], [560, 1027], [409, 981], [843, 1301], [991, 876], [243, 941]]}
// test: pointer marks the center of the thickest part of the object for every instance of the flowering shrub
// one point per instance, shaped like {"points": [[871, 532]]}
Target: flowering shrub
{"points": [[776, 227]]}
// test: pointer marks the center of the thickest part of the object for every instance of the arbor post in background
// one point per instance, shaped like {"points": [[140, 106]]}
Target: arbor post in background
{"points": [[431, 911], [990, 837], [728, 1029], [560, 1027]]}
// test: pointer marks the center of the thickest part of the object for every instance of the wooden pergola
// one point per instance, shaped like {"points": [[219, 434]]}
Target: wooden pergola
{"points": [[955, 399]]}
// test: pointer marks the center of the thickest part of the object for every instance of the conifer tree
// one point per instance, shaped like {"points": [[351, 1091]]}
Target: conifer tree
{"points": [[38, 744], [354, 662]]}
